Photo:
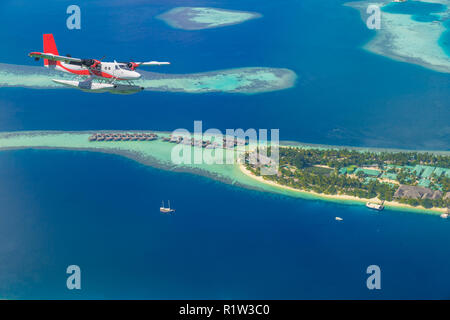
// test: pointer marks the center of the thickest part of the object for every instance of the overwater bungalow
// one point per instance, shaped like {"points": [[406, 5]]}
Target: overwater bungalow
{"points": [[196, 143], [186, 141], [173, 139]]}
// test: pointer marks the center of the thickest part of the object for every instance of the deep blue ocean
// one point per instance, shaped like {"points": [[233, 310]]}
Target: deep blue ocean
{"points": [[100, 211]]}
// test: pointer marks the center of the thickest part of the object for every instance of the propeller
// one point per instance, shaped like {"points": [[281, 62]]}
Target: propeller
{"points": [[133, 65]]}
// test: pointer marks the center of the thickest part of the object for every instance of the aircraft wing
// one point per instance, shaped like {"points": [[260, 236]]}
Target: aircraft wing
{"points": [[53, 57], [151, 63]]}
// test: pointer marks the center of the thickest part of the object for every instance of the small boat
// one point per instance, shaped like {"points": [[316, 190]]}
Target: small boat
{"points": [[444, 215], [375, 206], [339, 219], [163, 209]]}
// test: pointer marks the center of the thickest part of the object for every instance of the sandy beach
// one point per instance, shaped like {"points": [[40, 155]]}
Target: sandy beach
{"points": [[392, 204]]}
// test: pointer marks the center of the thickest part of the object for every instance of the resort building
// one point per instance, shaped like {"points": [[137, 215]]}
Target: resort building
{"points": [[414, 192]]}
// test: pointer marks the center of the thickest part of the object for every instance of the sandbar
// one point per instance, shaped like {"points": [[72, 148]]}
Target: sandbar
{"points": [[198, 18]]}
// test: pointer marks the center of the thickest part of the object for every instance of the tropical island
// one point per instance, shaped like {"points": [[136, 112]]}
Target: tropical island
{"points": [[405, 180], [411, 31], [241, 80], [415, 179], [198, 18]]}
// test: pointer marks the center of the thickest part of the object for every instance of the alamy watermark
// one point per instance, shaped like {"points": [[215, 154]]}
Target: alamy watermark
{"points": [[212, 146], [74, 280], [74, 20], [374, 20], [374, 280]]}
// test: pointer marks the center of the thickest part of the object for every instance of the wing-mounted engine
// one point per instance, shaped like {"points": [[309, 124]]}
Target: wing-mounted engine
{"points": [[132, 65], [91, 63]]}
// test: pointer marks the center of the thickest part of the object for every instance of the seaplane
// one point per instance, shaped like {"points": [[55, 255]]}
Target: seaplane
{"points": [[92, 75]]}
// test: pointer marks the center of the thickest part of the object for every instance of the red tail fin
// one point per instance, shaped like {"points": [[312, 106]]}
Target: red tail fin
{"points": [[49, 47]]}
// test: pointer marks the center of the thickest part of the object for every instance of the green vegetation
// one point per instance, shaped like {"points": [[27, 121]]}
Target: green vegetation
{"points": [[339, 158], [362, 174]]}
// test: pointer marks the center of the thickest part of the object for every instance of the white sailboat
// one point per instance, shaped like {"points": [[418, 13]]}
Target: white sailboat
{"points": [[163, 209]]}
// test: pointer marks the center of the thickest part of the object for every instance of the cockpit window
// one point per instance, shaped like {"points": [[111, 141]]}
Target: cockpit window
{"points": [[124, 67]]}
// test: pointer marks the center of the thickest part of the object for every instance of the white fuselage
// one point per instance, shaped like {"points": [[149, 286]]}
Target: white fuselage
{"points": [[109, 70]]}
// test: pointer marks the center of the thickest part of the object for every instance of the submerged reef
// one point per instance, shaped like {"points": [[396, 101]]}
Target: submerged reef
{"points": [[198, 18], [241, 80], [411, 31]]}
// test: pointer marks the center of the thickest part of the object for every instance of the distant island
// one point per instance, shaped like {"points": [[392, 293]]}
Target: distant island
{"points": [[240, 80], [411, 31], [198, 18], [405, 180]]}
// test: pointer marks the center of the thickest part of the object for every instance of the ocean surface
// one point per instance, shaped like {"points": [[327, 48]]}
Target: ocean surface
{"points": [[100, 212]]}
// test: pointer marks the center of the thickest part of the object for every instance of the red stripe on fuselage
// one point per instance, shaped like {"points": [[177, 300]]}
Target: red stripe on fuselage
{"points": [[104, 75], [78, 72], [88, 72]]}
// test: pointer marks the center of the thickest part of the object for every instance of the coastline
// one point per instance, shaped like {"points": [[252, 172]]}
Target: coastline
{"points": [[389, 204], [157, 154]]}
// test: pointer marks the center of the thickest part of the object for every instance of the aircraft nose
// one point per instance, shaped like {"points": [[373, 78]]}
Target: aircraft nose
{"points": [[132, 75]]}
